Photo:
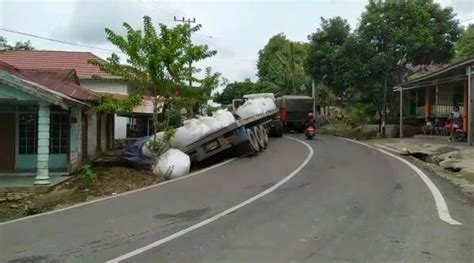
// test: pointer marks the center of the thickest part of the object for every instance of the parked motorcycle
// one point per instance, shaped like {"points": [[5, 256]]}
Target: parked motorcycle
{"points": [[310, 132], [459, 134]]}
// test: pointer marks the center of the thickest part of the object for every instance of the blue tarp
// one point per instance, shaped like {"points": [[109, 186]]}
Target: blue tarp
{"points": [[132, 153]]}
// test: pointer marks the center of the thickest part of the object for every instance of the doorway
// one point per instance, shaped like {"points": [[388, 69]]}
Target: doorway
{"points": [[7, 141]]}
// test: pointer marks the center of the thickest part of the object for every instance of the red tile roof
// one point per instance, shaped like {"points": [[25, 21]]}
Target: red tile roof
{"points": [[53, 60], [63, 81]]}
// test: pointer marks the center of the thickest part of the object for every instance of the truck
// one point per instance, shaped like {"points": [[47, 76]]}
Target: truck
{"points": [[293, 110], [247, 136]]}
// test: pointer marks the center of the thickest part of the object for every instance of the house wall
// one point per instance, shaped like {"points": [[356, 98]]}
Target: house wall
{"points": [[76, 140], [445, 95], [120, 131], [91, 135], [103, 140]]}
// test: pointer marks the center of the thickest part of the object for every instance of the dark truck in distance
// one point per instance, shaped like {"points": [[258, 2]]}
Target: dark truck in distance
{"points": [[294, 110]]}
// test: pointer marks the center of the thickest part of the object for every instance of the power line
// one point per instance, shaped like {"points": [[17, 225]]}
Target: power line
{"points": [[57, 40], [465, 20], [92, 47]]}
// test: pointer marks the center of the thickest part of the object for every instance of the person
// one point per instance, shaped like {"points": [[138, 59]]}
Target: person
{"points": [[455, 117], [438, 127], [428, 128], [309, 121]]}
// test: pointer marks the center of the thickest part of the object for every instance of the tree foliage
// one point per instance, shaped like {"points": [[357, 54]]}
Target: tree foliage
{"points": [[156, 65], [19, 45], [281, 62], [363, 64], [465, 45]]}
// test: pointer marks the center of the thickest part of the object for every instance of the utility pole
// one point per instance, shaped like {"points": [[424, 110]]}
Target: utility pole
{"points": [[188, 21], [313, 93]]}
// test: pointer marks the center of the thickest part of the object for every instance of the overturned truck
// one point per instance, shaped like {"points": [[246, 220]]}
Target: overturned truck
{"points": [[247, 135]]}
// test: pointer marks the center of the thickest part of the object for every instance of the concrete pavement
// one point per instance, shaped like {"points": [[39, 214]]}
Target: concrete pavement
{"points": [[104, 230], [349, 204]]}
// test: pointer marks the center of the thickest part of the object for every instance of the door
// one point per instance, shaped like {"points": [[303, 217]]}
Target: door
{"points": [[7, 141]]}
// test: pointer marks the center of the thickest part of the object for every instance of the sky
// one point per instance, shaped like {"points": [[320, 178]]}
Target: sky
{"points": [[236, 29]]}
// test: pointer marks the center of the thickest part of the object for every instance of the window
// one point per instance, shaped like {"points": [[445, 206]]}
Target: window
{"points": [[59, 133], [28, 131]]}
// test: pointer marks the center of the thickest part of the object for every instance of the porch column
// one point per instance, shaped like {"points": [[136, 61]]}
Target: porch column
{"points": [[427, 103], [470, 95], [42, 172], [465, 106]]}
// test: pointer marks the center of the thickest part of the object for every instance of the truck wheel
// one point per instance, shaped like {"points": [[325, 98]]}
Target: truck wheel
{"points": [[265, 134], [253, 140], [260, 137], [278, 129]]}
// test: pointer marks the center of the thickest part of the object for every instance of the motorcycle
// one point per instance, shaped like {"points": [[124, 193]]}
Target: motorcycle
{"points": [[459, 134], [309, 132]]}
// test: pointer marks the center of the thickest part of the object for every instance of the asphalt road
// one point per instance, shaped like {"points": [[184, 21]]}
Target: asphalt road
{"points": [[349, 203]]}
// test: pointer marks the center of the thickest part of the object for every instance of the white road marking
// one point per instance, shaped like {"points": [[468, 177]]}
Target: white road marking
{"points": [[221, 214], [121, 194], [441, 206]]}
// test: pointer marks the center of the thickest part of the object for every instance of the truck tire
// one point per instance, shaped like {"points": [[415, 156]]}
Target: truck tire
{"points": [[265, 134], [277, 130], [260, 137], [253, 140]]}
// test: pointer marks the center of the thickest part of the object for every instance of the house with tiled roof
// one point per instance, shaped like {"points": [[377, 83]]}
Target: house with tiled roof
{"points": [[46, 123], [86, 74]]}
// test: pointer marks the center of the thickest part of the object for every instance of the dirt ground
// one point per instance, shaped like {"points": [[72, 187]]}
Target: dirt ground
{"points": [[108, 181]]}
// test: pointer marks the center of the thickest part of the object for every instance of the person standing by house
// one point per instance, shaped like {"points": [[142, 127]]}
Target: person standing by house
{"points": [[428, 128], [438, 127], [455, 117]]}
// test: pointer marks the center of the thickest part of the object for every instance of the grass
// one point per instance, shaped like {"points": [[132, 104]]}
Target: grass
{"points": [[343, 130], [107, 181]]}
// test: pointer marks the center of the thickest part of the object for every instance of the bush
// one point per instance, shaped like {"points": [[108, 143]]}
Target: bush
{"points": [[358, 114], [88, 172]]}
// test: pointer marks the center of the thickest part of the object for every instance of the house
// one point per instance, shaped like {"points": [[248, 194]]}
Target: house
{"points": [[46, 123], [86, 72], [433, 95]]}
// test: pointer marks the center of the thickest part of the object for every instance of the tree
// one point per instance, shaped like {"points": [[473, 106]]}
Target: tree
{"points": [[281, 62], [325, 59], [402, 32], [4, 46], [367, 62], [157, 65], [465, 44]]}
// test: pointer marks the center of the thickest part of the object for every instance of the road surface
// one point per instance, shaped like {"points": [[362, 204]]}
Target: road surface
{"points": [[347, 203]]}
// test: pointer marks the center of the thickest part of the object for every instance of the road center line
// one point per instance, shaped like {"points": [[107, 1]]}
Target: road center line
{"points": [[221, 214], [441, 206]]}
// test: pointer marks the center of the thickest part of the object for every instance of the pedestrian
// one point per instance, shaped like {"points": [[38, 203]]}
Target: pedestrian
{"points": [[455, 117], [428, 128], [438, 126]]}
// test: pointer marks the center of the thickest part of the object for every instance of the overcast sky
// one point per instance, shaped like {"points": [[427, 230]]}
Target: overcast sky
{"points": [[236, 29]]}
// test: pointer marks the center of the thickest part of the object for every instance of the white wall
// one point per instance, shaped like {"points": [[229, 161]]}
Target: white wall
{"points": [[110, 87], [105, 86]]}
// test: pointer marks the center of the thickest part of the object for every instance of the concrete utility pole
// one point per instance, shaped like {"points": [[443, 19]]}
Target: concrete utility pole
{"points": [[189, 21], [313, 94]]}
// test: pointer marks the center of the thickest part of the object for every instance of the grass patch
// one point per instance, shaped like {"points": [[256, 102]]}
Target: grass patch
{"points": [[107, 181]]}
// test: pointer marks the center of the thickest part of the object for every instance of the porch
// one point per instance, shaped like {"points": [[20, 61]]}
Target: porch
{"points": [[38, 131], [434, 95]]}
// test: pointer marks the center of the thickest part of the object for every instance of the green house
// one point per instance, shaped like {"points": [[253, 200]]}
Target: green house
{"points": [[46, 123]]}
